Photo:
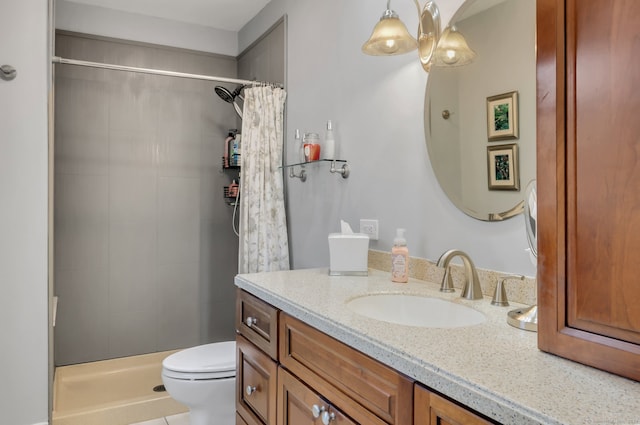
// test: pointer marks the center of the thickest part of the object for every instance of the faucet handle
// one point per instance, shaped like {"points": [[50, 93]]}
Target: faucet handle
{"points": [[500, 294], [447, 281]]}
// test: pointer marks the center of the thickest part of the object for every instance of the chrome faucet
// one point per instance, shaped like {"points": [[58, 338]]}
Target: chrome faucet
{"points": [[471, 289]]}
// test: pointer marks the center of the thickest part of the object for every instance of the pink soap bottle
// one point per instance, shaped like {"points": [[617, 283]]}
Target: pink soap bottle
{"points": [[400, 258]]}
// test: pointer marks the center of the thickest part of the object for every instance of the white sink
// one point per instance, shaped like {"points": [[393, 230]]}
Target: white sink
{"points": [[415, 310]]}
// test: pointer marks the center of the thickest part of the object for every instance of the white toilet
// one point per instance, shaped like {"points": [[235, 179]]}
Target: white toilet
{"points": [[204, 379]]}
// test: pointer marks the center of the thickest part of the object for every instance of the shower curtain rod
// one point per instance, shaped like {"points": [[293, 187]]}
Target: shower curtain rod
{"points": [[57, 59]]}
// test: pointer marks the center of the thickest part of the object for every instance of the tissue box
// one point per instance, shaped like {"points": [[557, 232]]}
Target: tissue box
{"points": [[348, 254]]}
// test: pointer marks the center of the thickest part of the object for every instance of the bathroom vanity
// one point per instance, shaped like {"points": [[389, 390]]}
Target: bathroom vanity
{"points": [[305, 357]]}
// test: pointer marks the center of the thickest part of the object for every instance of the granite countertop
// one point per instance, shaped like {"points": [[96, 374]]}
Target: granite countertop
{"points": [[492, 367]]}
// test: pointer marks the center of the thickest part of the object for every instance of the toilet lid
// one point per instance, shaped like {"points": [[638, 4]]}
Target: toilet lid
{"points": [[209, 358]]}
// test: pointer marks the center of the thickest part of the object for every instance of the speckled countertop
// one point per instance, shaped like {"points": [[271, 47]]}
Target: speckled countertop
{"points": [[492, 367]]}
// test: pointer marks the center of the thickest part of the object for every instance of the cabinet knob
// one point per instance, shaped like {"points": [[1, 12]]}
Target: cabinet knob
{"points": [[327, 417], [317, 410], [250, 321], [250, 390]]}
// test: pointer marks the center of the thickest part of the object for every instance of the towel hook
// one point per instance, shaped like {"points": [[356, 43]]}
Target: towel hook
{"points": [[7, 72]]}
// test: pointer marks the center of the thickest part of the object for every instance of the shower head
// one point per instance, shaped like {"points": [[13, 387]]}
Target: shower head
{"points": [[226, 95], [230, 97]]}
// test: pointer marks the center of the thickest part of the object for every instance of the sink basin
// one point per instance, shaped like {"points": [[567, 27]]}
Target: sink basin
{"points": [[415, 310]]}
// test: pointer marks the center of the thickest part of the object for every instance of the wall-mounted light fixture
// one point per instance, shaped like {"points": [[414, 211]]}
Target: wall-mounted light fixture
{"points": [[391, 37], [453, 49]]}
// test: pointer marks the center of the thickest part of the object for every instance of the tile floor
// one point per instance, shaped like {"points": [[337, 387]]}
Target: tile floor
{"points": [[180, 419]]}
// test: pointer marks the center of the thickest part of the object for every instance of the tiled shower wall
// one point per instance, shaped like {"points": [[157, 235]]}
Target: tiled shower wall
{"points": [[144, 251]]}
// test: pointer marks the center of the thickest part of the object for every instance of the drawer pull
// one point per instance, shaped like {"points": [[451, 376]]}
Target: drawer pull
{"points": [[317, 410], [327, 417], [250, 390], [250, 321]]}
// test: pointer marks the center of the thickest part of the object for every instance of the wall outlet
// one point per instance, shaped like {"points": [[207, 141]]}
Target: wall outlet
{"points": [[369, 227]]}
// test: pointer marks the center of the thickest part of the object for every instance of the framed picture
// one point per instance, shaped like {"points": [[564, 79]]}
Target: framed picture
{"points": [[502, 116], [502, 167]]}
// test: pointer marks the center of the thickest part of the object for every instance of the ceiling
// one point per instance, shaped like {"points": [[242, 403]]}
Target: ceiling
{"points": [[229, 15]]}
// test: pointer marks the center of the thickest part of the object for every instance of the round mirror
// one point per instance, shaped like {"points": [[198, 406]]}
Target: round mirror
{"points": [[480, 117]]}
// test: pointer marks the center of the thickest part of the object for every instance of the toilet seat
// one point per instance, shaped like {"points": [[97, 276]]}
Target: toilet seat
{"points": [[209, 361]]}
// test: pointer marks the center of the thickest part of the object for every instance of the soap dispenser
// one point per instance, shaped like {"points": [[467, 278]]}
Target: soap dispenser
{"points": [[400, 258]]}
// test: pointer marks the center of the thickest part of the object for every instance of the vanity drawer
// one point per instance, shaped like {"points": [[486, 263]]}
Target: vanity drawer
{"points": [[327, 364], [256, 384], [258, 322], [300, 405]]}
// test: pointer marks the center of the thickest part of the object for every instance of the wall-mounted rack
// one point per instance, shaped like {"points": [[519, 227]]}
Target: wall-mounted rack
{"points": [[335, 168]]}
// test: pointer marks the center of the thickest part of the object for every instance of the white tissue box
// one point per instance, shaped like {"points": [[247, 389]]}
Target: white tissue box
{"points": [[348, 254]]}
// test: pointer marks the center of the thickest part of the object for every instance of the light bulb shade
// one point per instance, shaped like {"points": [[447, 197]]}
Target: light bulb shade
{"points": [[453, 49], [389, 37]]}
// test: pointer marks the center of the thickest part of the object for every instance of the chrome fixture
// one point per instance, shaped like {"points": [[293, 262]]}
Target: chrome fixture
{"points": [[7, 72], [471, 289], [500, 294], [524, 318], [230, 97], [527, 318], [344, 170], [391, 37], [302, 175]]}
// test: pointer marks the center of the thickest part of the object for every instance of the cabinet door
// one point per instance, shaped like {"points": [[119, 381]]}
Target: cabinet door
{"points": [[589, 182], [256, 384], [299, 405], [431, 409]]}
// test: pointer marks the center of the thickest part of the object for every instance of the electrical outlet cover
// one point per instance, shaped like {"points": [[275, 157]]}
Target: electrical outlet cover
{"points": [[369, 227]]}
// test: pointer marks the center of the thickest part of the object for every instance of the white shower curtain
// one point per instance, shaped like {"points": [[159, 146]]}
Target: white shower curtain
{"points": [[264, 245]]}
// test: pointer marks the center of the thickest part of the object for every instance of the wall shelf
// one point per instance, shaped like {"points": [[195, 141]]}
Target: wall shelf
{"points": [[335, 163]]}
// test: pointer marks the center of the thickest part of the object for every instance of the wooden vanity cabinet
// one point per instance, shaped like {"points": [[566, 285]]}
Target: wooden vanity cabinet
{"points": [[432, 409], [256, 361], [310, 368], [588, 181]]}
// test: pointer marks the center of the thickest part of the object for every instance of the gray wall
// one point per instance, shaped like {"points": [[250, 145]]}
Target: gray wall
{"points": [[144, 253], [377, 105], [23, 214], [265, 59]]}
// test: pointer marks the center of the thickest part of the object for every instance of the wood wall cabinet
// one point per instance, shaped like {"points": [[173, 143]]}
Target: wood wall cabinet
{"points": [[588, 131], [432, 409]]}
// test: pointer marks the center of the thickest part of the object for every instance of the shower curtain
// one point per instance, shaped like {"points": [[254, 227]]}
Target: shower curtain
{"points": [[264, 245]]}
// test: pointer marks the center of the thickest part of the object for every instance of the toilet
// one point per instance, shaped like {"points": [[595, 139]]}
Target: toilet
{"points": [[204, 379]]}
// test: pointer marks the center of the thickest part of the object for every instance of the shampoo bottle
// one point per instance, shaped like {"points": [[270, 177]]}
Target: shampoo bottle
{"points": [[227, 142], [400, 258], [329, 148]]}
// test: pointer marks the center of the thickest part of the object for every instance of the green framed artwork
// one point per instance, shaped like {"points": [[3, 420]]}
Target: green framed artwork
{"points": [[502, 167], [502, 116]]}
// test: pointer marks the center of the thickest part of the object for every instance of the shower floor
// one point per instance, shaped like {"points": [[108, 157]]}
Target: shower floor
{"points": [[112, 392]]}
